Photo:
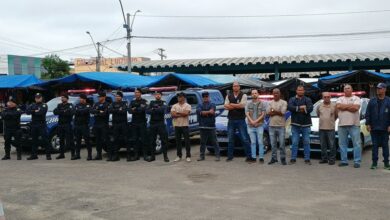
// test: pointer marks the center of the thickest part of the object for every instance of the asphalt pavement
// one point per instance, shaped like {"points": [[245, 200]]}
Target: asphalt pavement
{"points": [[68, 189]]}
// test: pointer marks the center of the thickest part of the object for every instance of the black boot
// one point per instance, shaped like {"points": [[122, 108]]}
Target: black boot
{"points": [[48, 156], [19, 154], [72, 154], [32, 157], [78, 154], [98, 156], [166, 159], [89, 157], [7, 155], [115, 157], [109, 157], [61, 156]]}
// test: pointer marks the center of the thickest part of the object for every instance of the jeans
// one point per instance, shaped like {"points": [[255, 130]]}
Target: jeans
{"points": [[275, 134], [380, 139], [354, 132], [205, 136], [182, 131], [256, 136], [296, 132], [327, 139], [240, 125]]}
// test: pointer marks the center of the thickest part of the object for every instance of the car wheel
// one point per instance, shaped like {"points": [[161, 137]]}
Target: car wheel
{"points": [[266, 142], [158, 145], [54, 141]]}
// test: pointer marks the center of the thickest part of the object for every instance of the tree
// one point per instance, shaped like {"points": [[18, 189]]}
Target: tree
{"points": [[55, 67]]}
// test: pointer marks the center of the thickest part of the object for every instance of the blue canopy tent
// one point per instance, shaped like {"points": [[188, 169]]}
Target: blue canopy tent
{"points": [[106, 80], [359, 77], [183, 81], [361, 80], [18, 81]]}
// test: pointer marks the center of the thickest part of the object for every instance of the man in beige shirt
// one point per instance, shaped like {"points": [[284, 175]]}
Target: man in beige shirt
{"points": [[327, 114], [276, 110], [180, 113], [349, 124]]}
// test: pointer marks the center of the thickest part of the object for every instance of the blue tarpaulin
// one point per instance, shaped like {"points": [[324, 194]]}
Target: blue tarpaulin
{"points": [[353, 77], [18, 81], [110, 79], [186, 80]]}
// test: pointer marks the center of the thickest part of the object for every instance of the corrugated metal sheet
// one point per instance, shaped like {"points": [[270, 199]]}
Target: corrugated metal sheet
{"points": [[371, 56]]}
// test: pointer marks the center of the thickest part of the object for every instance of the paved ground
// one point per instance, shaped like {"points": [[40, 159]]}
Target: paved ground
{"points": [[198, 190]]}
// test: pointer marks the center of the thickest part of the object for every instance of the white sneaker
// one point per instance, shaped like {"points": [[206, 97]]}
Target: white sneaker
{"points": [[177, 159], [188, 159]]}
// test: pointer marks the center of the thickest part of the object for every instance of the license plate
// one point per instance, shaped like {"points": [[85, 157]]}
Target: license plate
{"points": [[315, 141], [223, 139]]}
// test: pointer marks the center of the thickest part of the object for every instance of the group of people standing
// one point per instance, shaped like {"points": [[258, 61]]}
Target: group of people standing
{"points": [[246, 117]]}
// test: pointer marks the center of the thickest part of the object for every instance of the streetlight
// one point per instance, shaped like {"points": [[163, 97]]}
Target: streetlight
{"points": [[97, 47], [129, 29]]}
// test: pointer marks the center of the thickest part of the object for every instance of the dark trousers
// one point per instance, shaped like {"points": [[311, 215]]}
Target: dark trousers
{"points": [[80, 132], [8, 135], [179, 132], [380, 139], [327, 139], [160, 130], [139, 136], [208, 136], [100, 132], [120, 138], [66, 137], [39, 135]]}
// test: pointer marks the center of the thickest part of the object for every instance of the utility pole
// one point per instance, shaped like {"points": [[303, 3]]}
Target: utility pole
{"points": [[128, 30], [161, 53], [98, 58], [97, 47]]}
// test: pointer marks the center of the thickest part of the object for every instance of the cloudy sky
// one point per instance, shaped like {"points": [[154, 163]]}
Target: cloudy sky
{"points": [[41, 26]]}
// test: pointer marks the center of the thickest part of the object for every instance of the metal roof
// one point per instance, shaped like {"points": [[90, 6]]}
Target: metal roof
{"points": [[244, 61]]}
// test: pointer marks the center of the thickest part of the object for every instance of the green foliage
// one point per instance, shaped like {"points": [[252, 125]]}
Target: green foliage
{"points": [[55, 67]]}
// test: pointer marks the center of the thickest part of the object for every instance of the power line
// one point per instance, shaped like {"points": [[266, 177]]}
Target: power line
{"points": [[264, 37], [266, 16], [112, 50], [76, 47]]}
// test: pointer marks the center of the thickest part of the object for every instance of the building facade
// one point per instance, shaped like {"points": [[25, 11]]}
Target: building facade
{"points": [[17, 65], [106, 64]]}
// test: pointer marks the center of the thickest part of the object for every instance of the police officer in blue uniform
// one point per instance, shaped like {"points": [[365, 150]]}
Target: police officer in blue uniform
{"points": [[100, 127], [65, 112], [157, 109], [138, 122], [38, 111], [118, 109], [11, 117], [81, 126]]}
